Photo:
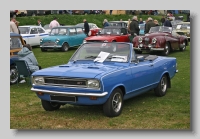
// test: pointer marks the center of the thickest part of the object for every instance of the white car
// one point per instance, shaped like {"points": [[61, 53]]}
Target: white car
{"points": [[32, 34], [47, 28]]}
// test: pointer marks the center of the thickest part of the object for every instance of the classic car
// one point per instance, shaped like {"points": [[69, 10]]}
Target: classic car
{"points": [[183, 28], [142, 29], [174, 23], [94, 29], [103, 77], [63, 37], [118, 23], [32, 34], [16, 44], [47, 28], [160, 38], [110, 34]]}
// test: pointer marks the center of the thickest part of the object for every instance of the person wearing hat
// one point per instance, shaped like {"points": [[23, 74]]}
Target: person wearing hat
{"points": [[54, 23]]}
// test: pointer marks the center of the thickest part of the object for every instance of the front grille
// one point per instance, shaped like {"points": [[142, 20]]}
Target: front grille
{"points": [[65, 82], [49, 43], [146, 41]]}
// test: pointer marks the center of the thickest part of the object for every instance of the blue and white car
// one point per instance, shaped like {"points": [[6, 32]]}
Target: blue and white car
{"points": [[63, 38], [95, 75], [32, 34]]}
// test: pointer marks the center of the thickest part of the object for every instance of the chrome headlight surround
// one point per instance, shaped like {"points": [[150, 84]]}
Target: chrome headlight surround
{"points": [[105, 41], [140, 39], [154, 40], [92, 83], [41, 40], [38, 80], [84, 41], [57, 40]]}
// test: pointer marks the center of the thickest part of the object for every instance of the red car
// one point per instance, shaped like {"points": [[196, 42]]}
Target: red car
{"points": [[160, 38], [93, 28]]}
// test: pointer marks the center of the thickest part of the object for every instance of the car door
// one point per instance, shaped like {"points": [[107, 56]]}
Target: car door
{"points": [[34, 38], [175, 43], [42, 33], [72, 37], [143, 73], [80, 35], [124, 35]]}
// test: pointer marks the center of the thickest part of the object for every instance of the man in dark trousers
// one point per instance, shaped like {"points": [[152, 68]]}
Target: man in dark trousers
{"points": [[133, 28], [149, 24], [86, 27]]}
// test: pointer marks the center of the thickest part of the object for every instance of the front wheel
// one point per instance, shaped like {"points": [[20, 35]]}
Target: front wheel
{"points": [[161, 89], [65, 47], [114, 104], [184, 46], [14, 76], [167, 49], [50, 106]]}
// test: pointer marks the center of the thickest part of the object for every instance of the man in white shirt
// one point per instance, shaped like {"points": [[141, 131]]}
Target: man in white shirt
{"points": [[13, 26], [54, 23]]}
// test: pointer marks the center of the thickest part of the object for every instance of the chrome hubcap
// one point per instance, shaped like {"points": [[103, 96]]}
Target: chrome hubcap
{"points": [[163, 84], [13, 75], [117, 102]]}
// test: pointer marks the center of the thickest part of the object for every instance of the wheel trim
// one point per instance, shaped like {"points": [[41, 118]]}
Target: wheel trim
{"points": [[166, 49], [183, 45], [117, 102], [163, 84], [13, 75], [65, 47]]}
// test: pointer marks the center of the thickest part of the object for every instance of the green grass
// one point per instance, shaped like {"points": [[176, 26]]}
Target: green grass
{"points": [[142, 112]]}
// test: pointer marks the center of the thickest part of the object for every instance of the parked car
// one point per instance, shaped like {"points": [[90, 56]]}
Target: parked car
{"points": [[16, 44], [142, 29], [174, 23], [118, 23], [110, 34], [63, 38], [32, 34], [94, 29], [183, 28], [47, 28], [160, 38], [103, 77]]}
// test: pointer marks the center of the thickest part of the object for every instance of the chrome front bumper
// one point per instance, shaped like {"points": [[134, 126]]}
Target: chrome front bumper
{"points": [[69, 93]]}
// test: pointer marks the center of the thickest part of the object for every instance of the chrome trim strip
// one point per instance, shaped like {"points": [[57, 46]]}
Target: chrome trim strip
{"points": [[69, 93]]}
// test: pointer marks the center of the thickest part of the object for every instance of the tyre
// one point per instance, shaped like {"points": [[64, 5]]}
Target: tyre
{"points": [[65, 47], [184, 46], [114, 104], [43, 50], [14, 76], [167, 49], [161, 89], [50, 106]]}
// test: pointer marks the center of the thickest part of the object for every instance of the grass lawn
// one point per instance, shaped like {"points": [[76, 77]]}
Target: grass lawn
{"points": [[142, 112]]}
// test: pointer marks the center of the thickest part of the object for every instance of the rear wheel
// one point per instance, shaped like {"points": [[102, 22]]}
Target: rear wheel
{"points": [[50, 106], [114, 104], [161, 89], [65, 47], [184, 46], [14, 76]]}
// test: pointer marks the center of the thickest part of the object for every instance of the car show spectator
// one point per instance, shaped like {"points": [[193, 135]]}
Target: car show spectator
{"points": [[141, 21], [39, 23], [54, 23], [105, 23], [156, 22], [133, 28], [86, 27], [17, 24], [27, 55], [167, 22], [162, 20], [13, 26], [149, 24]]}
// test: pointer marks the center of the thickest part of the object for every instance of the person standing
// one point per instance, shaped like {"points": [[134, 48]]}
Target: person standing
{"points": [[167, 22], [13, 26], [105, 23], [149, 25], [111, 12], [156, 22], [17, 24], [133, 28], [54, 23], [141, 21], [86, 27], [162, 20], [39, 23]]}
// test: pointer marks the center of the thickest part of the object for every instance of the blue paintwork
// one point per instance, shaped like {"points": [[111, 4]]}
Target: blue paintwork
{"points": [[135, 78], [142, 29]]}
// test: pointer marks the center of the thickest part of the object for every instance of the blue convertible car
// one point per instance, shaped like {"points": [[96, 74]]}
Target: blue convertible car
{"points": [[97, 75], [63, 38]]}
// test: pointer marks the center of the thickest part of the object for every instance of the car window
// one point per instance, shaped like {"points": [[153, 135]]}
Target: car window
{"points": [[24, 30], [34, 31], [79, 30], [15, 43], [62, 31], [124, 31], [72, 31], [40, 30]]}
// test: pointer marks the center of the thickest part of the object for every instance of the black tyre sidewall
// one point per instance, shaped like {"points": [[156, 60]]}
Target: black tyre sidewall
{"points": [[48, 106], [158, 91]]}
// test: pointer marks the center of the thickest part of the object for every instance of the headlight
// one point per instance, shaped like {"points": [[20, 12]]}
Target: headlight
{"points": [[57, 41], [154, 40], [38, 80], [41, 40], [84, 41], [93, 84], [105, 41], [140, 39]]}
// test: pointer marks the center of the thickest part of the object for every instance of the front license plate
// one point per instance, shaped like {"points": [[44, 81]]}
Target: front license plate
{"points": [[63, 98]]}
